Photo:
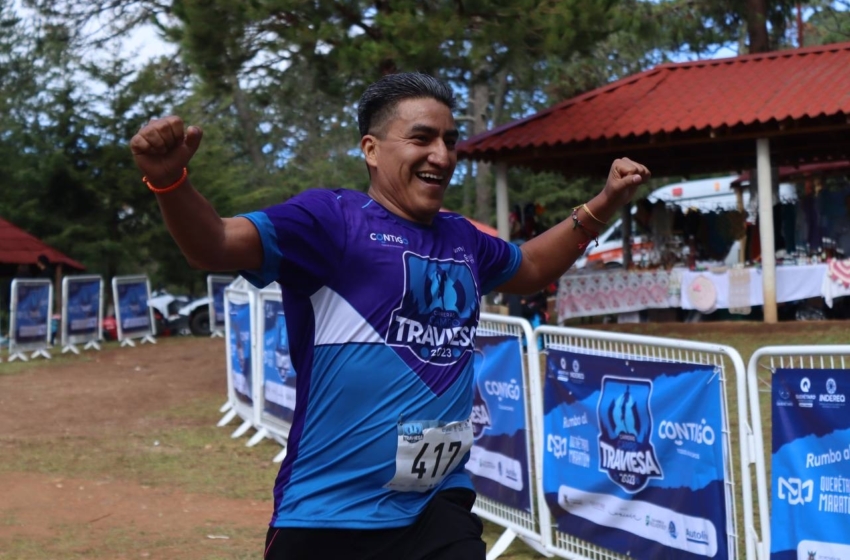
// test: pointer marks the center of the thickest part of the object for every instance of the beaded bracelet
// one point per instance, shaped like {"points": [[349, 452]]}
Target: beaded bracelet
{"points": [[588, 233], [170, 187]]}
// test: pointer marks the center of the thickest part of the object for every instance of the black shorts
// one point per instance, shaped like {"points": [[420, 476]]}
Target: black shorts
{"points": [[446, 530]]}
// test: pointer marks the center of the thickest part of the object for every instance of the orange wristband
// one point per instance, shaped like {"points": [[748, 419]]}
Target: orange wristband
{"points": [[170, 187]]}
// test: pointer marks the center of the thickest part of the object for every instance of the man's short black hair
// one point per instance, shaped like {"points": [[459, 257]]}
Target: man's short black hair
{"points": [[381, 98]]}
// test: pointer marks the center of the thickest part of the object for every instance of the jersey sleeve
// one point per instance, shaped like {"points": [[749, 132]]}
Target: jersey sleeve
{"points": [[498, 261], [303, 241]]}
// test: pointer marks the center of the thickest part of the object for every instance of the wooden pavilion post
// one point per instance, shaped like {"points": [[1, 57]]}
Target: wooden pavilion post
{"points": [[502, 201], [626, 234], [768, 251], [57, 288]]}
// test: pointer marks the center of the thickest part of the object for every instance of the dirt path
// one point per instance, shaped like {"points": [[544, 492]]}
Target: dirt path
{"points": [[103, 395]]}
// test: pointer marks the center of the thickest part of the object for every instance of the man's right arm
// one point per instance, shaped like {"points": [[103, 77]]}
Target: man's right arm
{"points": [[161, 149], [208, 241]]}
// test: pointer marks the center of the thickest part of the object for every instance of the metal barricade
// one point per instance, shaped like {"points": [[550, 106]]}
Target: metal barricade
{"points": [[517, 522], [766, 360], [725, 361]]}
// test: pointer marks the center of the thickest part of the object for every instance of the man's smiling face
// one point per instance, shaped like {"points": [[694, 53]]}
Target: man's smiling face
{"points": [[412, 158]]}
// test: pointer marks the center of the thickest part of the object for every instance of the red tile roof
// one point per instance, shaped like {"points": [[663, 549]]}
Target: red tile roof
{"points": [[19, 247], [706, 95]]}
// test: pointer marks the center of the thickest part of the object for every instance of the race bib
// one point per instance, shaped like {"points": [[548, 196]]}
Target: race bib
{"points": [[427, 451]]}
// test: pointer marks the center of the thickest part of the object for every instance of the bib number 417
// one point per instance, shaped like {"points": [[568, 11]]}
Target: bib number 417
{"points": [[420, 464], [427, 452]]}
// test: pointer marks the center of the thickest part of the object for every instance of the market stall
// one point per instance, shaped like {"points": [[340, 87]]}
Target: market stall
{"points": [[738, 289]]}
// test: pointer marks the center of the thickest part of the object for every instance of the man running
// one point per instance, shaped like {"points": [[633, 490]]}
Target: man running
{"points": [[381, 432]]}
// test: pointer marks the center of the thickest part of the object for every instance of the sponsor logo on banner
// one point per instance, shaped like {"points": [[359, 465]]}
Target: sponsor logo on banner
{"points": [[626, 451], [438, 311], [556, 445], [572, 373], [831, 399], [480, 417], [795, 491], [503, 390], [804, 398], [655, 523], [819, 550], [697, 537], [783, 394], [693, 433]]}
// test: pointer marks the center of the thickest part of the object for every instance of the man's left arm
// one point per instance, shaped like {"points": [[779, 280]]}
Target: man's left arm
{"points": [[546, 257]]}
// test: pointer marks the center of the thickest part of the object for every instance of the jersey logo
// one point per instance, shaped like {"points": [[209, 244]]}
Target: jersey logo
{"points": [[626, 451], [438, 312]]}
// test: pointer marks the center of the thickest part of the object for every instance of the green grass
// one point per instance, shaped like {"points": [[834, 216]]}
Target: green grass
{"points": [[191, 455], [56, 358]]}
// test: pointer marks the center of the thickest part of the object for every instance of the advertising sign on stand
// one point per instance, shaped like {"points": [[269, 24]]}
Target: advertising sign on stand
{"points": [[278, 373], [29, 322], [82, 312], [240, 349], [215, 289], [133, 315]]}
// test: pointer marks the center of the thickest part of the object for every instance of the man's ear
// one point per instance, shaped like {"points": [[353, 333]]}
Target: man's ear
{"points": [[369, 147]]}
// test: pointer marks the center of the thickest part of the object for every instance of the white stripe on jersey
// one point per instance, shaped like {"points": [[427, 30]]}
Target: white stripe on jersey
{"points": [[337, 322]]}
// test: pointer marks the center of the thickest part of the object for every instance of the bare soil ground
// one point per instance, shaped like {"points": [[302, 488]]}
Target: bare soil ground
{"points": [[102, 396]]}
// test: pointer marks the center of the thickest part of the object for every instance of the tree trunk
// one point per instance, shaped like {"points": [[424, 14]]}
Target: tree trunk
{"points": [[757, 26], [246, 119], [483, 174]]}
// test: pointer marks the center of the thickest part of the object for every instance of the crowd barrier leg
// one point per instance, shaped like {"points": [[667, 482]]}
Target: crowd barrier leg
{"points": [[261, 434], [502, 544], [241, 430], [231, 414]]}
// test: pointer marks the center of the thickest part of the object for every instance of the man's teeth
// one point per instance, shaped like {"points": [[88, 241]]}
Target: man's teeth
{"points": [[430, 177]]}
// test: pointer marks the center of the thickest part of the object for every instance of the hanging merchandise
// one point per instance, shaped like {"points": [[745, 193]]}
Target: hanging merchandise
{"points": [[703, 295], [739, 291]]}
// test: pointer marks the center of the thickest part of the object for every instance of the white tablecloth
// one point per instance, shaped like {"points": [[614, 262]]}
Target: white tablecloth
{"points": [[792, 283]]}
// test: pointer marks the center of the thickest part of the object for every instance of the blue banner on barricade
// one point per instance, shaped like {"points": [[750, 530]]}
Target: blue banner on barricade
{"points": [[240, 350], [633, 455], [82, 302], [215, 288], [31, 320], [810, 503], [134, 315], [278, 374], [498, 460]]}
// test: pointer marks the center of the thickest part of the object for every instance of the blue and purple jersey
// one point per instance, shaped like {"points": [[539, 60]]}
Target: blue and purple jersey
{"points": [[381, 316]]}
